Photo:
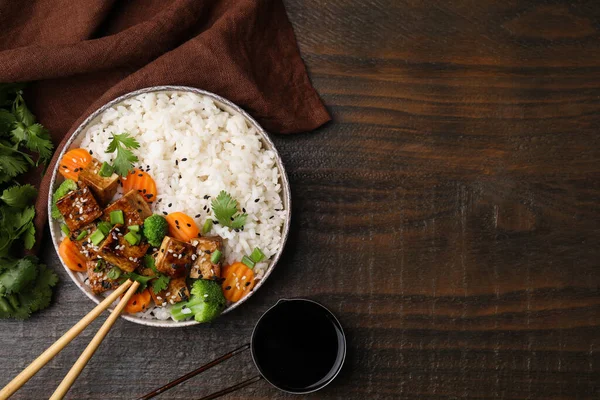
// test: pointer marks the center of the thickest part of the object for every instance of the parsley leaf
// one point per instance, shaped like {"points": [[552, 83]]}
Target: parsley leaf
{"points": [[225, 209], [38, 140], [7, 119], [16, 278], [122, 144], [21, 112], [143, 280], [12, 163], [162, 281], [19, 196]]}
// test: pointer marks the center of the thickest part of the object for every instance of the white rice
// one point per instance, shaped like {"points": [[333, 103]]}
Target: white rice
{"points": [[194, 149]]}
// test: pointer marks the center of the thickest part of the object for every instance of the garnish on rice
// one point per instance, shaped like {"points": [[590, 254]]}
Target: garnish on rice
{"points": [[226, 212], [122, 144]]}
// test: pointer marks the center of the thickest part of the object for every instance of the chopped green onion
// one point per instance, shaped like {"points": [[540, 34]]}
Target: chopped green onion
{"points": [[114, 273], [100, 266], [106, 170], [97, 237], [82, 235], [104, 227], [134, 228], [116, 217], [132, 238], [248, 261], [65, 229], [257, 255], [208, 224], [215, 256]]}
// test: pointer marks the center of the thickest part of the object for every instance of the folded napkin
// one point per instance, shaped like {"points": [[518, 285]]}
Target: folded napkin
{"points": [[82, 54]]}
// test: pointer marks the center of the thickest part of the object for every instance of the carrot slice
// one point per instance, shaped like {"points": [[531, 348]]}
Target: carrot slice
{"points": [[182, 226], [142, 182], [239, 281], [71, 256], [72, 162], [138, 302]]}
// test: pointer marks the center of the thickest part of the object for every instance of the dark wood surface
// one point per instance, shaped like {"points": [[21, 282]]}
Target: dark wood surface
{"points": [[449, 215]]}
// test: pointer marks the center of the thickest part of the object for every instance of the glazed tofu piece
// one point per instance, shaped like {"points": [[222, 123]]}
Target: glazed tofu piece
{"points": [[203, 268], [176, 291], [79, 208], [84, 245], [118, 251], [175, 257], [97, 277], [134, 207], [103, 188]]}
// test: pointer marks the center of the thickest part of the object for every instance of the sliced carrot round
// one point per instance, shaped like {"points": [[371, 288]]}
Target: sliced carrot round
{"points": [[239, 281], [142, 182], [182, 226], [138, 302], [71, 256], [73, 162]]}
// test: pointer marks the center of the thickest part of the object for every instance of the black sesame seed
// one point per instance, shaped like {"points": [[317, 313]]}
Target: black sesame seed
{"points": [[189, 225], [134, 302], [197, 216], [144, 191], [215, 222], [149, 195], [91, 152], [179, 176], [76, 170], [257, 234], [256, 200], [65, 167], [243, 209], [206, 197], [140, 175], [184, 159], [247, 283], [164, 213], [170, 204], [176, 222], [271, 217], [139, 210], [228, 288], [176, 162], [162, 250], [178, 227]]}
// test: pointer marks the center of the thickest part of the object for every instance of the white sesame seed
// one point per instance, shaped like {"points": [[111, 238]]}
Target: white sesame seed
{"points": [[206, 295], [164, 303], [168, 294]]}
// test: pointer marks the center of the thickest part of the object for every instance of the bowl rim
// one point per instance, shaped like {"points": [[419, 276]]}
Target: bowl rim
{"points": [[225, 105]]}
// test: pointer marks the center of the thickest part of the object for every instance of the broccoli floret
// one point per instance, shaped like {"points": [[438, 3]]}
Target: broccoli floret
{"points": [[155, 229], [64, 188], [207, 302]]}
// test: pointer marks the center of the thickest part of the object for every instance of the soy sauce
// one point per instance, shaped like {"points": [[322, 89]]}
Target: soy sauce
{"points": [[298, 346]]}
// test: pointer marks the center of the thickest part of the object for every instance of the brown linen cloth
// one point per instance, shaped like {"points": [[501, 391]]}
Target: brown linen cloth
{"points": [[84, 53]]}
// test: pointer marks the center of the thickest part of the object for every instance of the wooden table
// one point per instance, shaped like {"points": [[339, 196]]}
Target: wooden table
{"points": [[449, 215]]}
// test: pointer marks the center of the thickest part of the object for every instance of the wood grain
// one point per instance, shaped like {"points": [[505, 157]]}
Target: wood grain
{"points": [[449, 215]]}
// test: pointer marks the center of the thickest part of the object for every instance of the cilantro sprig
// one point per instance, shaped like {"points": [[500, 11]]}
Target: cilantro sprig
{"points": [[162, 281], [25, 284], [123, 143], [226, 211]]}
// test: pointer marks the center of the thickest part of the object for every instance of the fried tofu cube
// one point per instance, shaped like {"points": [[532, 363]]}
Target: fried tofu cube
{"points": [[203, 268], [84, 245], [176, 291], [103, 188], [174, 257], [118, 251], [97, 277], [134, 207], [79, 208]]}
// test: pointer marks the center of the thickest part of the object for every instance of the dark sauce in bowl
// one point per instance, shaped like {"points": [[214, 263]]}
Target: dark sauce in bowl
{"points": [[298, 346]]}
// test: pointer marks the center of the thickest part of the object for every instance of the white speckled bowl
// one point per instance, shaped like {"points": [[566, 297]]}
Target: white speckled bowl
{"points": [[224, 104]]}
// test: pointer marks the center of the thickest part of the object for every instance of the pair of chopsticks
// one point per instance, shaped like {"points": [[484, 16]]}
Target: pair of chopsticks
{"points": [[65, 339]]}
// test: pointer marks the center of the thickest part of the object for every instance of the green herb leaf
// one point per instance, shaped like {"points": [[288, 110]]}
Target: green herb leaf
{"points": [[143, 280], [225, 208], [122, 143], [7, 119], [21, 112], [160, 283], [19, 196], [16, 278], [38, 140]]}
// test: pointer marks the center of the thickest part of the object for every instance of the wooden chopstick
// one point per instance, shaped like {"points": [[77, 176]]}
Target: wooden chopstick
{"points": [[60, 344], [89, 351]]}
